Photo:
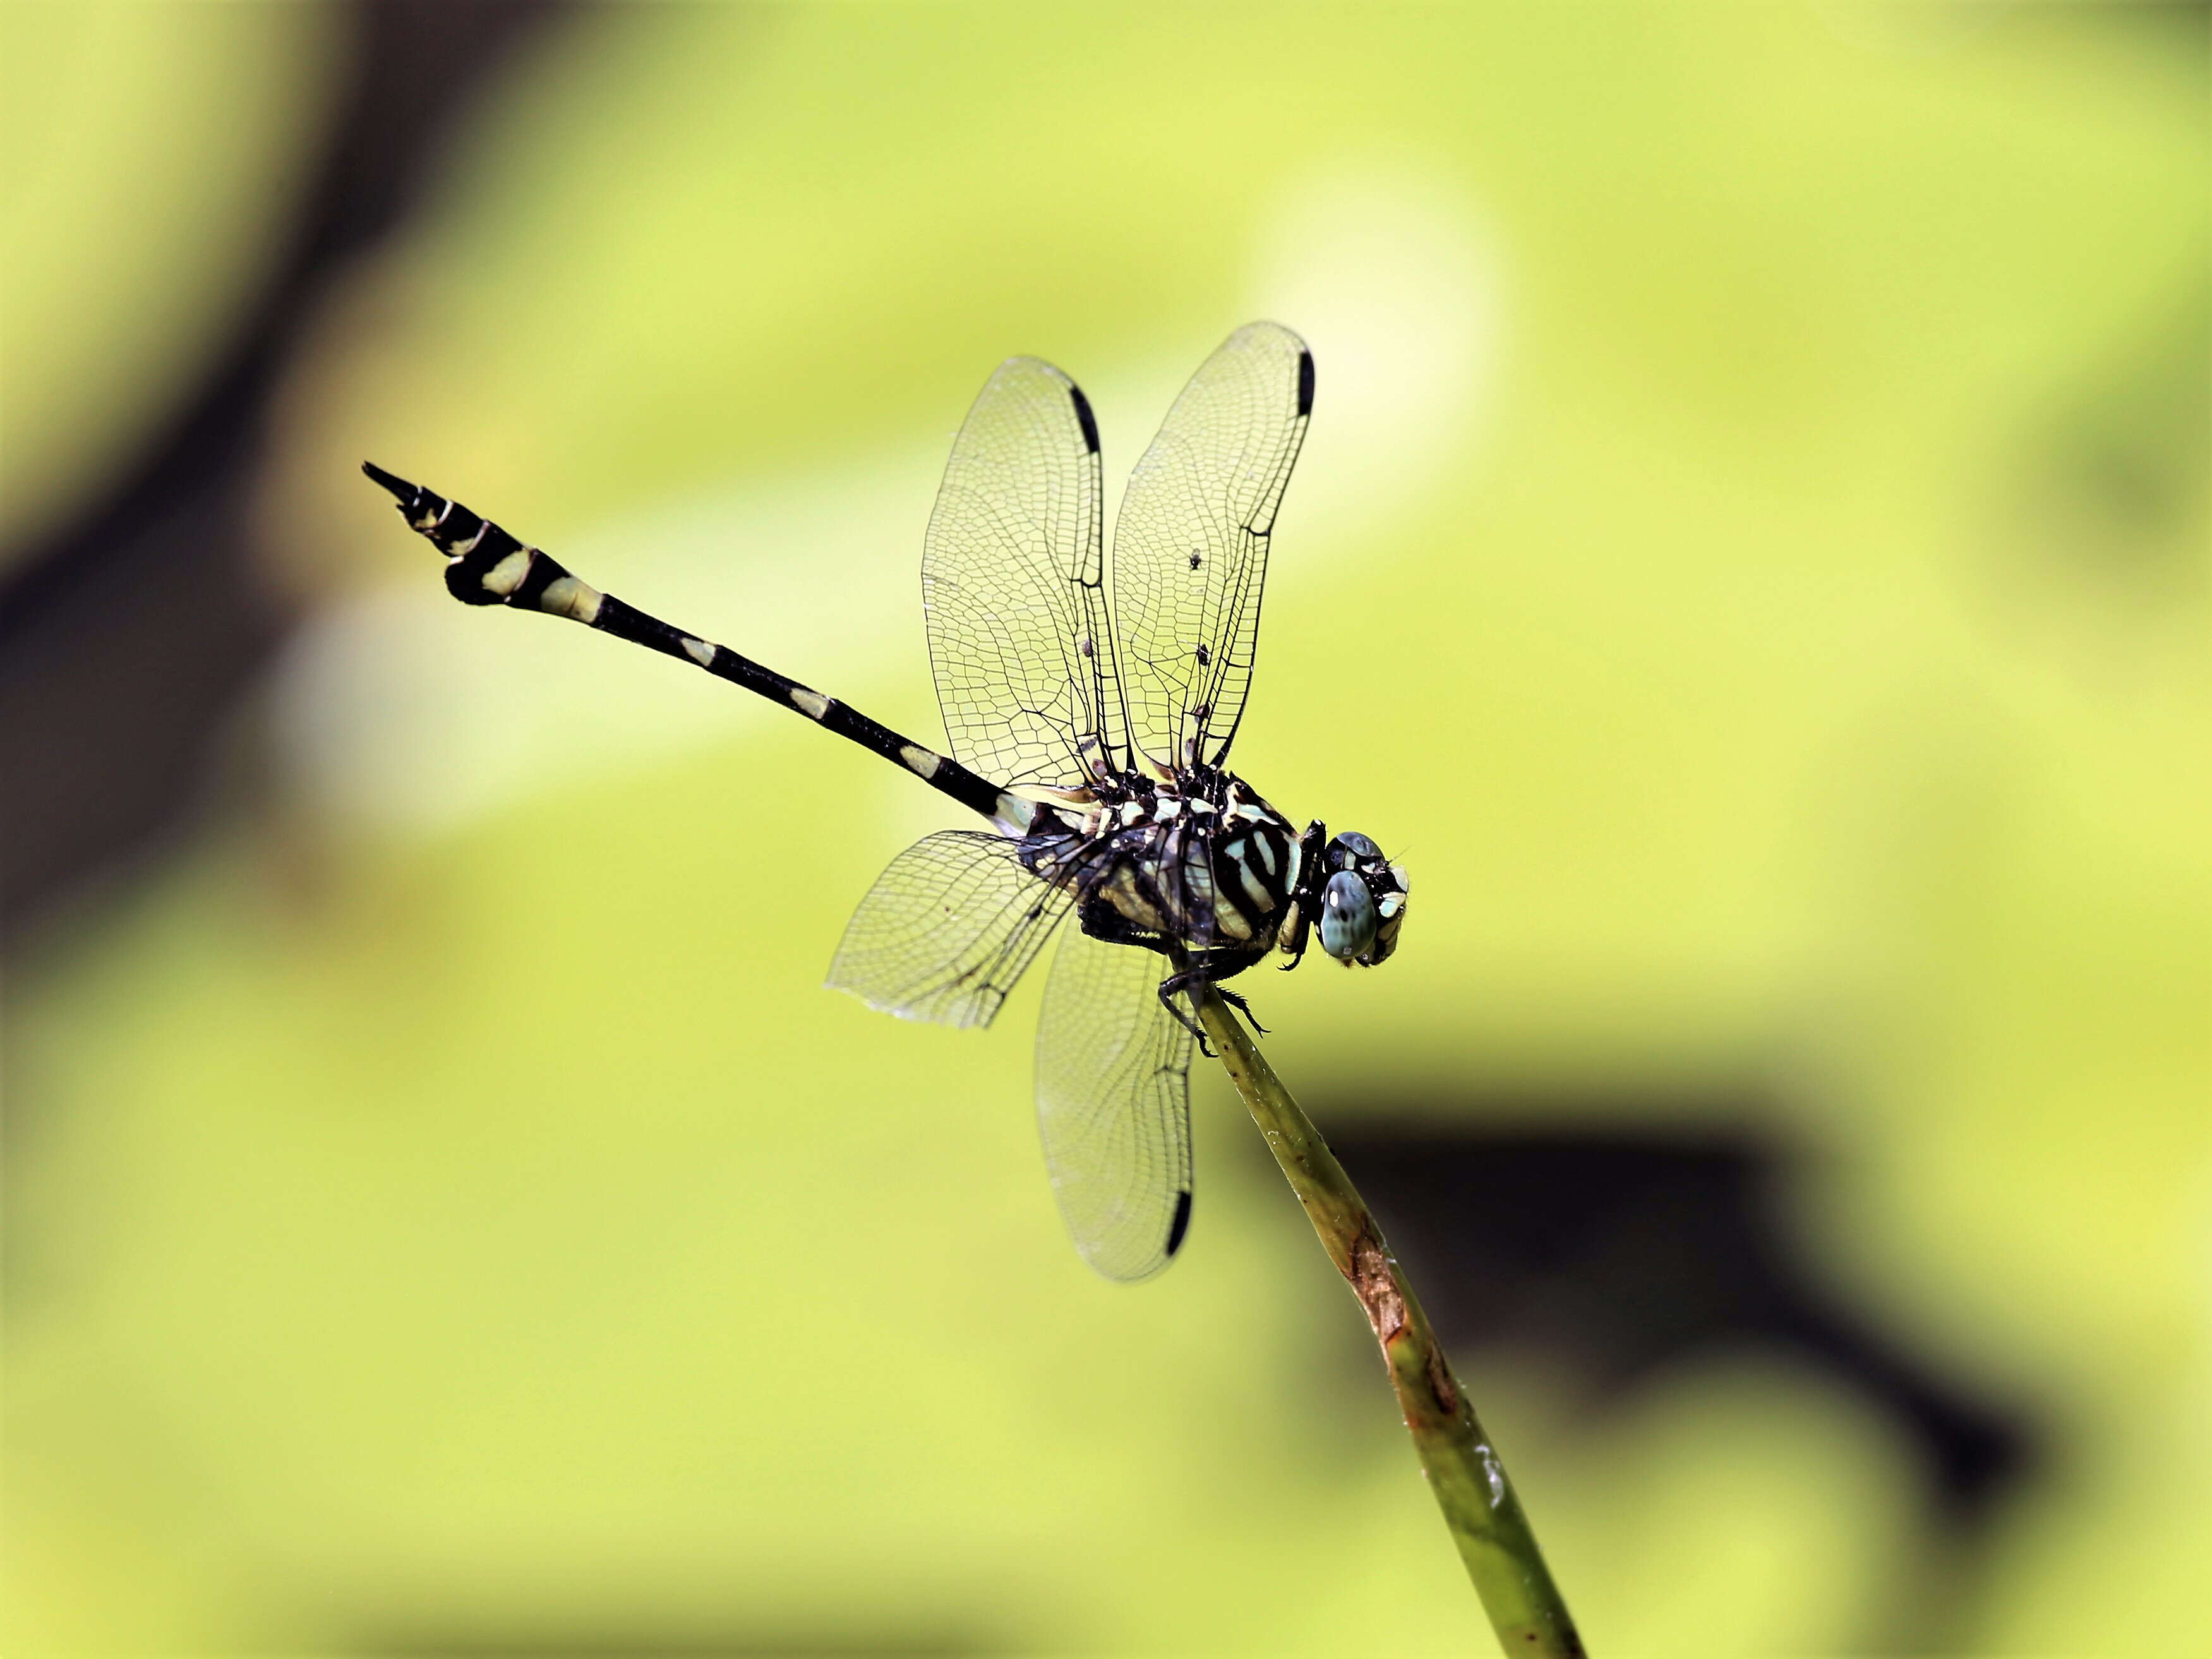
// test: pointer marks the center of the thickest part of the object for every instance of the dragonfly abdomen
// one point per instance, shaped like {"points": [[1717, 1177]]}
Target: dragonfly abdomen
{"points": [[487, 565]]}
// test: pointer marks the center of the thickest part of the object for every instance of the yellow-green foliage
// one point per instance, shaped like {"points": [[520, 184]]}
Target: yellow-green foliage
{"points": [[1788, 662]]}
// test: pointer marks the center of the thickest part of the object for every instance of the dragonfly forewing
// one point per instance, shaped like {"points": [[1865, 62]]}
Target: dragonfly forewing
{"points": [[1013, 586], [1190, 543]]}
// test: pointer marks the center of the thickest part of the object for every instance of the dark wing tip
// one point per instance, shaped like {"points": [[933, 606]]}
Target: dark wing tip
{"points": [[1305, 382], [1083, 415], [402, 491], [1181, 1224]]}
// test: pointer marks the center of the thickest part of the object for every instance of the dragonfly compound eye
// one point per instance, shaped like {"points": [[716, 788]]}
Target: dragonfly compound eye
{"points": [[1352, 850], [1348, 917]]}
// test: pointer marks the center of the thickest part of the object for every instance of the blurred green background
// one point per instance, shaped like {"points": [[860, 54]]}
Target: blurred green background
{"points": [[1750, 557]]}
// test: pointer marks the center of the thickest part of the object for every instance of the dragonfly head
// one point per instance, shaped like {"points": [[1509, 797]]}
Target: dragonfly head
{"points": [[1363, 901]]}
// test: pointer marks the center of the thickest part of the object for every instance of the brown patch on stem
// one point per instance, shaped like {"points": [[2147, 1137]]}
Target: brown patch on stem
{"points": [[1374, 1282]]}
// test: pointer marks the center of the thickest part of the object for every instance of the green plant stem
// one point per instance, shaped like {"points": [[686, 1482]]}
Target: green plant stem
{"points": [[1480, 1510]]}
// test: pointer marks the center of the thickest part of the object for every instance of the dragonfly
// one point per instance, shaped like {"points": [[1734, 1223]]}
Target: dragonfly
{"points": [[1089, 707]]}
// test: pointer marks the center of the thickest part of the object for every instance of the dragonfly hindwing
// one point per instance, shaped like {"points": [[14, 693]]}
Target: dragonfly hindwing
{"points": [[946, 930]]}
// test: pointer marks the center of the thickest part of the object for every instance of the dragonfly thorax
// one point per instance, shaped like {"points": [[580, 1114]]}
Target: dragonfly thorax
{"points": [[1196, 863]]}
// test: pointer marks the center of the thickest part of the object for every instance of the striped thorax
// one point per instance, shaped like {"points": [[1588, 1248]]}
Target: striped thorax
{"points": [[1198, 862]]}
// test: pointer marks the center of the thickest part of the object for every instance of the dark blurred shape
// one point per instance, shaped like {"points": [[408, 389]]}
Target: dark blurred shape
{"points": [[1631, 1253], [1624, 1253], [128, 637], [2179, 28]]}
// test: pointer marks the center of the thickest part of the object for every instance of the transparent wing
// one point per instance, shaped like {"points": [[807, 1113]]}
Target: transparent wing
{"points": [[1113, 1085], [946, 930], [1013, 584], [1190, 546]]}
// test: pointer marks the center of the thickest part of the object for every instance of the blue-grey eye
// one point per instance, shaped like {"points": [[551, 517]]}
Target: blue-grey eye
{"points": [[1347, 916], [1353, 845]]}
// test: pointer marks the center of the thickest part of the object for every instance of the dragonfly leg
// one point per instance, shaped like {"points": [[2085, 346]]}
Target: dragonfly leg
{"points": [[1173, 987], [1244, 1008], [1197, 978]]}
